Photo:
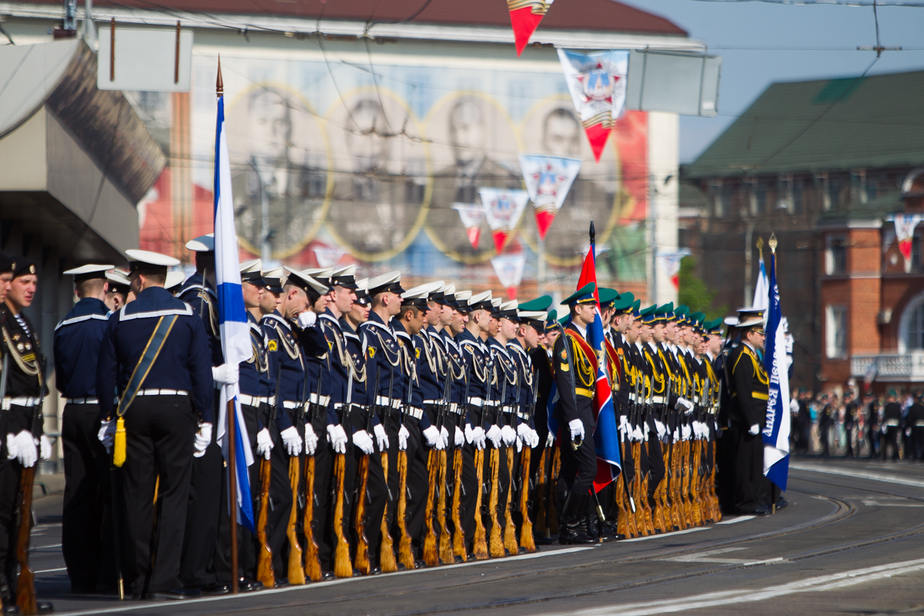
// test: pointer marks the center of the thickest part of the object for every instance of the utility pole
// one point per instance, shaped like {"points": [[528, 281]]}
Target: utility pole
{"points": [[653, 244]]}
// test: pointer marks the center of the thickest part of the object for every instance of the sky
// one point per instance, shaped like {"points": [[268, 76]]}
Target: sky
{"points": [[764, 42]]}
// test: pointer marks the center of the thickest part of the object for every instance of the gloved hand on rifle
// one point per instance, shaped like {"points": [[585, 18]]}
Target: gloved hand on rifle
{"points": [[523, 432], [291, 440], [44, 445], [311, 440], [203, 439], [508, 435], [460, 436], [403, 435], [533, 438], [381, 437], [576, 426], [26, 452], [432, 437], [684, 406], [754, 430], [362, 440], [494, 435], [264, 443], [479, 439], [444, 436], [337, 437]]}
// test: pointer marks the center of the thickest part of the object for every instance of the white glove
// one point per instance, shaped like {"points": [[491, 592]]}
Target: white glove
{"points": [[533, 439], [577, 429], [460, 437], [26, 453], [661, 429], [307, 319], [754, 430], [623, 425], [519, 443], [683, 405], [203, 439], [105, 435], [444, 436], [469, 433], [479, 437], [494, 435], [12, 446], [550, 440], [225, 374], [403, 435], [44, 447], [432, 436], [381, 437], [523, 430], [264, 443], [291, 440], [685, 433], [337, 437], [638, 435], [509, 435], [311, 440], [362, 440]]}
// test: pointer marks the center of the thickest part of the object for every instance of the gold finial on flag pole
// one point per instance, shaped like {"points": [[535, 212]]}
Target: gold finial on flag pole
{"points": [[773, 243], [760, 247], [219, 84]]}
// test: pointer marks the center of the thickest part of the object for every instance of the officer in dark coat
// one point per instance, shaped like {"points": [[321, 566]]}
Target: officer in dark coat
{"points": [[167, 417], [916, 425], [749, 386], [891, 426], [86, 547], [575, 376]]}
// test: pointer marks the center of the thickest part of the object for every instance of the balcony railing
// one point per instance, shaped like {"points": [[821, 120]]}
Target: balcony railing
{"points": [[893, 367]]}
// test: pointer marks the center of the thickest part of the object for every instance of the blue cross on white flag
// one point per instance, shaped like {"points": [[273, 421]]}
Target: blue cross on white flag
{"points": [[232, 318]]}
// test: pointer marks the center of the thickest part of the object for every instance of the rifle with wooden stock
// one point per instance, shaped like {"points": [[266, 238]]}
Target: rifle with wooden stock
{"points": [[25, 584], [510, 531], [312, 559], [527, 541], [405, 555], [445, 543], [361, 561], [458, 535], [387, 560], [480, 547], [343, 567], [495, 540]]}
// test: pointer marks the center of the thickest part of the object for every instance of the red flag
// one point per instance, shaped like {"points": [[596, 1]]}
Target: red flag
{"points": [[525, 16]]}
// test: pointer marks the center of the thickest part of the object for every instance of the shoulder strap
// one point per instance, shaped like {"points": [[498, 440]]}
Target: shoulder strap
{"points": [[148, 357]]}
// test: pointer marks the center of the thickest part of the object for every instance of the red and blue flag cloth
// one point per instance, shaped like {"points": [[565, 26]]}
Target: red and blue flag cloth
{"points": [[606, 434]]}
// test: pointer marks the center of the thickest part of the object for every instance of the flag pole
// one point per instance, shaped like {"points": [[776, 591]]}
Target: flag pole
{"points": [[232, 444]]}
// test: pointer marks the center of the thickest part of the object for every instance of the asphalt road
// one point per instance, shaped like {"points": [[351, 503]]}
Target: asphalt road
{"points": [[851, 542]]}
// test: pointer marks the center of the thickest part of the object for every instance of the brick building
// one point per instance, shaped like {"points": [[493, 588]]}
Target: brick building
{"points": [[824, 165]]}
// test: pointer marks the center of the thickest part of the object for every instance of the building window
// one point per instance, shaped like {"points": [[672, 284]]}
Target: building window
{"points": [[836, 331], [911, 328], [836, 255], [719, 202]]}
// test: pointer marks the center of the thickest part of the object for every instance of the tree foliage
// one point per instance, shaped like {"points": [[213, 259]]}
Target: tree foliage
{"points": [[694, 293]]}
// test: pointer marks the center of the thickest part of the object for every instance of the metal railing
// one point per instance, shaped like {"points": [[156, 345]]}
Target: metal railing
{"points": [[890, 367]]}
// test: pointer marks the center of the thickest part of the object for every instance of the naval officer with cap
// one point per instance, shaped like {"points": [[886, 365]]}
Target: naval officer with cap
{"points": [[167, 415], [87, 549], [119, 292]]}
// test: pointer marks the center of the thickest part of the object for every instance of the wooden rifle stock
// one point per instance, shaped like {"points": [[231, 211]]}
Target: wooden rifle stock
{"points": [[510, 529], [622, 517], [495, 543], [265, 557], [295, 571], [542, 525], [458, 535], [527, 541], [312, 559], [361, 562], [480, 548], [405, 556], [446, 554], [25, 585], [551, 510], [343, 568], [430, 553], [387, 561]]}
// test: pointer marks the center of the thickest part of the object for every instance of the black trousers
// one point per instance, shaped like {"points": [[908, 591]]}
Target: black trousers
{"points": [[376, 495], [159, 442], [203, 516], [891, 440], [656, 470], [749, 468], [323, 504], [87, 540], [417, 479], [579, 467]]}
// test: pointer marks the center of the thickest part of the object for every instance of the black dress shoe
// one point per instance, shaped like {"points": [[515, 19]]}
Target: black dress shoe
{"points": [[281, 583], [328, 575], [11, 609], [419, 564], [215, 589], [375, 571], [178, 594], [247, 585], [781, 503], [44, 607], [471, 558], [761, 510]]}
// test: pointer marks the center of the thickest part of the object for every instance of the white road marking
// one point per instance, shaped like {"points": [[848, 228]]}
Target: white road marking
{"points": [[662, 535], [821, 583], [160, 605], [51, 570], [707, 556], [849, 472], [872, 502], [740, 518]]}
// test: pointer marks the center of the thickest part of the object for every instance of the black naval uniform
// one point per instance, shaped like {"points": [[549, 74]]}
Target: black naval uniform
{"points": [[22, 410], [478, 368], [160, 427], [892, 427], [749, 386], [87, 549]]}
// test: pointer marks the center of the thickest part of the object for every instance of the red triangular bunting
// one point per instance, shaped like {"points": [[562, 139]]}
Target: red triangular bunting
{"points": [[905, 247], [512, 292], [676, 280], [525, 16], [544, 220], [500, 238], [597, 136], [474, 234]]}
